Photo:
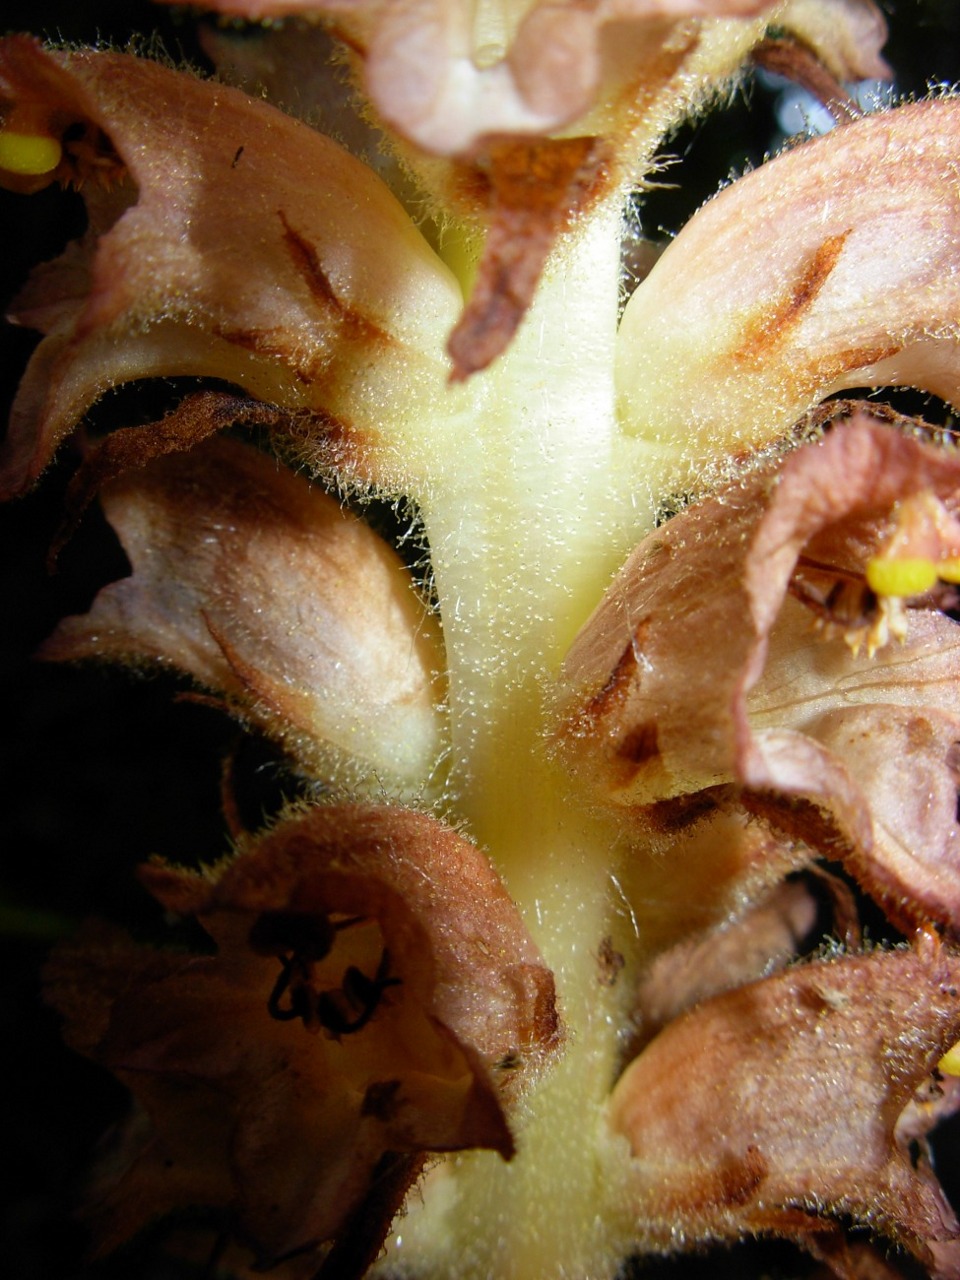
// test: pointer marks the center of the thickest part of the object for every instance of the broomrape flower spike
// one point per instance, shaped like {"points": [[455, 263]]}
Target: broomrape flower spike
{"points": [[523, 992]]}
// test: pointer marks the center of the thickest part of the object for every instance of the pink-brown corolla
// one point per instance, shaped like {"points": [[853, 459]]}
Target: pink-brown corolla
{"points": [[523, 966]]}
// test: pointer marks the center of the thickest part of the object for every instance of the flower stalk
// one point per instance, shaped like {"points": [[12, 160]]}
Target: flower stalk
{"points": [[523, 952]]}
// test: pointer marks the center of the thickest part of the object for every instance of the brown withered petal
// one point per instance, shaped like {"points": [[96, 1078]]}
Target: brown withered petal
{"points": [[842, 275], [542, 68], [195, 418], [256, 251], [371, 971], [774, 1108], [263, 588], [796, 63], [655, 709], [536, 191]]}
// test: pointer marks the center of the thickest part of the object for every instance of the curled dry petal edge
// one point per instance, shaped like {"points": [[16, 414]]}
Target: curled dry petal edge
{"points": [[293, 1119]]}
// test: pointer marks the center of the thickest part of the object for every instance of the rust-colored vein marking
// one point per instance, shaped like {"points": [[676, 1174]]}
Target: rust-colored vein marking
{"points": [[306, 260], [771, 327]]}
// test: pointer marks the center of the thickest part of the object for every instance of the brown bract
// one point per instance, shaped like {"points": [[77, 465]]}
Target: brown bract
{"points": [[721, 655], [448, 78], [265, 590], [775, 1108], [195, 419], [536, 191], [257, 1096], [240, 244]]}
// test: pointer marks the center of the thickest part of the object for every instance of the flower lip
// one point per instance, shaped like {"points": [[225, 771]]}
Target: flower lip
{"points": [[49, 128], [782, 1147], [371, 972], [788, 712]]}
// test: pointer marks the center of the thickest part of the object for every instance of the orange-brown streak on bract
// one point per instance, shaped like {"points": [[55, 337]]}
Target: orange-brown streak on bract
{"points": [[610, 698], [617, 687], [771, 327], [837, 363], [275, 345], [359, 328], [639, 746]]}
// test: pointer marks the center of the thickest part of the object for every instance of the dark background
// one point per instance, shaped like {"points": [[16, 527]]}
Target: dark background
{"points": [[99, 770]]}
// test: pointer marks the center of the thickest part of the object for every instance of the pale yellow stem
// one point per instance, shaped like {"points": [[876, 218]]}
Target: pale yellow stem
{"points": [[527, 517]]}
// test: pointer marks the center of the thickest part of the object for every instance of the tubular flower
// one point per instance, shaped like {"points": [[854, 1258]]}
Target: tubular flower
{"points": [[420, 916], [823, 723], [529, 979], [265, 590]]}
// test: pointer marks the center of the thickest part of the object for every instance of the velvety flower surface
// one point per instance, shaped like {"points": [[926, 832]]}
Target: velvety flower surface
{"points": [[266, 591], [795, 705], [757, 310], [528, 969], [785, 1160], [344, 1016], [216, 259]]}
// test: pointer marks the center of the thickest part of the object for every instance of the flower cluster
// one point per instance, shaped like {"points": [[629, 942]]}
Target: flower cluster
{"points": [[533, 982]]}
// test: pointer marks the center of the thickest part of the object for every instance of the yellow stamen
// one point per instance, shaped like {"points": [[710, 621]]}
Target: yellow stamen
{"points": [[906, 577], [949, 1064], [30, 154], [949, 570]]}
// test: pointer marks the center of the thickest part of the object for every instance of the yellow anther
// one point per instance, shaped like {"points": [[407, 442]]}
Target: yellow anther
{"points": [[949, 1064], [29, 154], [948, 570], [905, 578]]}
